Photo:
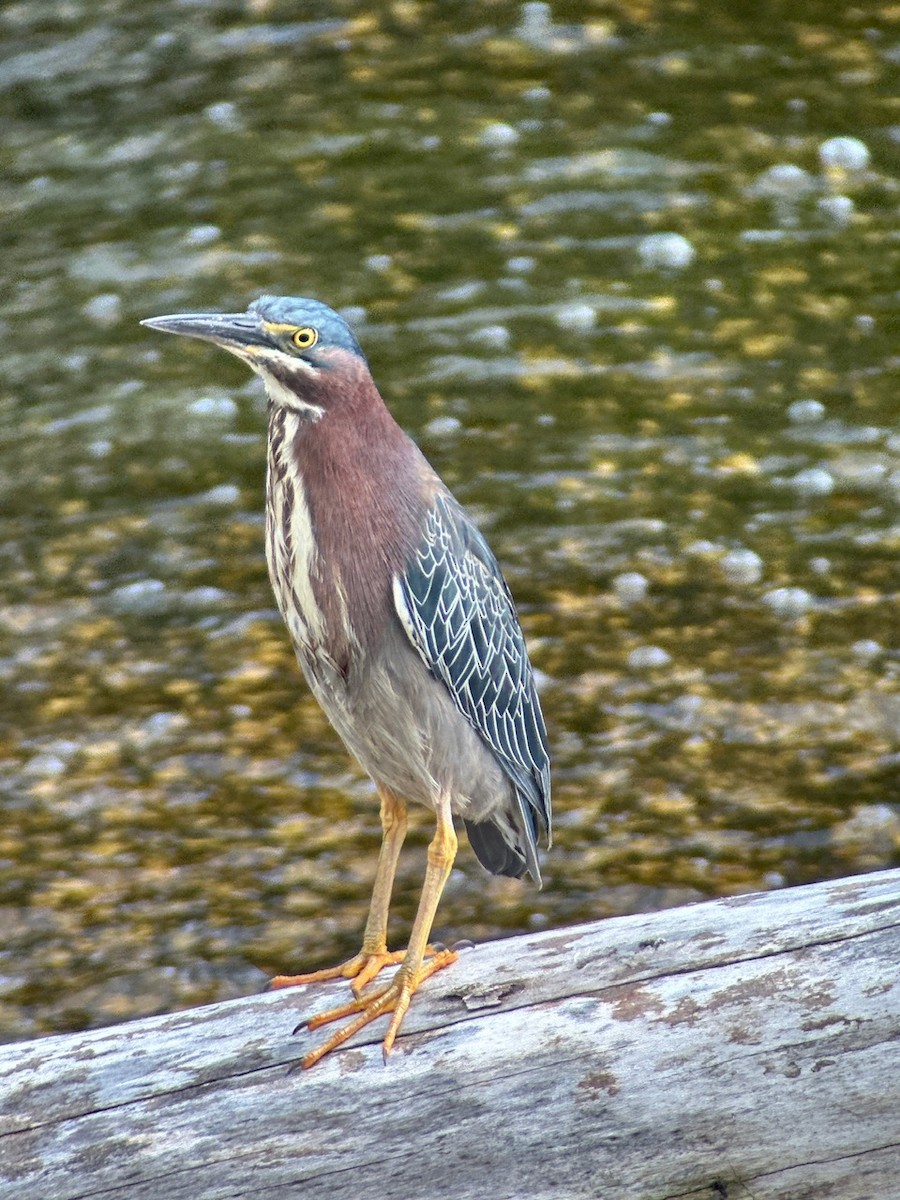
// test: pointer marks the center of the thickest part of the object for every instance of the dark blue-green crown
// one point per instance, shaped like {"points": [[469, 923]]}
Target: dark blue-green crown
{"points": [[332, 329]]}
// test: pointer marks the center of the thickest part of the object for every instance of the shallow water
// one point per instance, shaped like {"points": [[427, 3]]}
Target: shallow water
{"points": [[639, 311]]}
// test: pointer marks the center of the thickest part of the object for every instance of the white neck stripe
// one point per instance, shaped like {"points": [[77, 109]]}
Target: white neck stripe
{"points": [[283, 397]]}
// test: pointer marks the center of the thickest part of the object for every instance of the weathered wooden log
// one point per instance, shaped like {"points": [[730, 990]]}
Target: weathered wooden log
{"points": [[746, 1048]]}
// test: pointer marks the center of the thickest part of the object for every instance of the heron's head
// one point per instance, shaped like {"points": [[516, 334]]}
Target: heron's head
{"points": [[302, 349]]}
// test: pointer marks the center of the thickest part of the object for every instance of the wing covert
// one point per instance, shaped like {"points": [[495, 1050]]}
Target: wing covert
{"points": [[459, 615]]}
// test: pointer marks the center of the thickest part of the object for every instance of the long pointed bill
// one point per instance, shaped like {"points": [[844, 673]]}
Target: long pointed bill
{"points": [[238, 332]]}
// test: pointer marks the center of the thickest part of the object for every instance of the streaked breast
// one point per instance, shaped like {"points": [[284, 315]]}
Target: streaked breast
{"points": [[291, 551]]}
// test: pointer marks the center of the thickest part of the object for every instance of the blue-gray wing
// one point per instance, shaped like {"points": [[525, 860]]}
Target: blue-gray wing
{"points": [[459, 615]]}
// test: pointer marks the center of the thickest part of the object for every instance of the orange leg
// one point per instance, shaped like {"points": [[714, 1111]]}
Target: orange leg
{"points": [[374, 955], [414, 970]]}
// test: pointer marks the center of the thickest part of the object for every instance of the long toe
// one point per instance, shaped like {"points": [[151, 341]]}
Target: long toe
{"points": [[394, 998], [373, 967], [362, 969], [377, 962]]}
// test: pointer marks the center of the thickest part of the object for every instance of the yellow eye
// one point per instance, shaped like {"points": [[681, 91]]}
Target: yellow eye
{"points": [[304, 338]]}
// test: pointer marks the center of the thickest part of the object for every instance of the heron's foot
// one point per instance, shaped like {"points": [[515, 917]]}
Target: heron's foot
{"points": [[394, 999], [360, 970]]}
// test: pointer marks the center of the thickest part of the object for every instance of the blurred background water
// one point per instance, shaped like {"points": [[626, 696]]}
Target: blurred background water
{"points": [[629, 274]]}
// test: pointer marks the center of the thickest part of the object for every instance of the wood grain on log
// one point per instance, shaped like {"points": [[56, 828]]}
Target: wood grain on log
{"points": [[746, 1048]]}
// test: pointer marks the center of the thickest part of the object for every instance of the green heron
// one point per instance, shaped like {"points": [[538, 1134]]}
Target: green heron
{"points": [[402, 623]]}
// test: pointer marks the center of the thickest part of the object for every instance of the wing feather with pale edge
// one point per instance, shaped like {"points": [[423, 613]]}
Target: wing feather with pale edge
{"points": [[459, 615]]}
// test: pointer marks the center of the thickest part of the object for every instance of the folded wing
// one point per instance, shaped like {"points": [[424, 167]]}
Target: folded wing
{"points": [[459, 615]]}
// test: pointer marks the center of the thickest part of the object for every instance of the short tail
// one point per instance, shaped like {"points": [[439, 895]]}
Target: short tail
{"points": [[498, 855]]}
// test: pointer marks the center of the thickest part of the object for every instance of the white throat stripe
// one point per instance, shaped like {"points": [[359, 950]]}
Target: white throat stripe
{"points": [[285, 398]]}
